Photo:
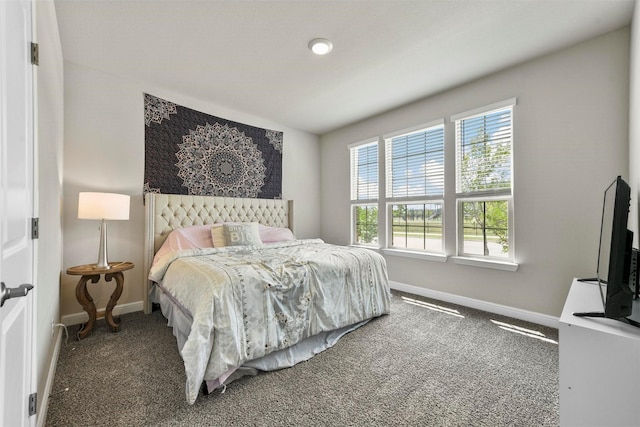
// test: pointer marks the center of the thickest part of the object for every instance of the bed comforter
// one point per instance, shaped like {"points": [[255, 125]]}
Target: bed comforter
{"points": [[249, 301]]}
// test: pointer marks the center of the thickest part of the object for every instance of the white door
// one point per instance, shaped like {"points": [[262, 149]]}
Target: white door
{"points": [[16, 211]]}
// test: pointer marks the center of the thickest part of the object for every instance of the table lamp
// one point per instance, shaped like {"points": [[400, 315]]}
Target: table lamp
{"points": [[103, 206]]}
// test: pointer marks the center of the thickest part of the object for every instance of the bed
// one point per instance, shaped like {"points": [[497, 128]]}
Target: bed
{"points": [[243, 295]]}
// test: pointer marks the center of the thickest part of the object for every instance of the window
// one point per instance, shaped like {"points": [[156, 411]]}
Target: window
{"points": [[414, 162], [405, 192], [484, 142], [364, 193]]}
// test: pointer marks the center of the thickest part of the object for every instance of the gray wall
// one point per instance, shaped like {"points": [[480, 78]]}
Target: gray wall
{"points": [[570, 141], [104, 151]]}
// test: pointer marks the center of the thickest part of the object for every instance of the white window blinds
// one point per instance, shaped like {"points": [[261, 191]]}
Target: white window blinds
{"points": [[483, 152], [364, 172], [415, 163]]}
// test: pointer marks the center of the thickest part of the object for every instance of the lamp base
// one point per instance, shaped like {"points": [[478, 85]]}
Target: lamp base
{"points": [[103, 262]]}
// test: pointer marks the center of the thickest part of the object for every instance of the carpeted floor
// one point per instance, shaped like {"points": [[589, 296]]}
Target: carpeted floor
{"points": [[426, 364]]}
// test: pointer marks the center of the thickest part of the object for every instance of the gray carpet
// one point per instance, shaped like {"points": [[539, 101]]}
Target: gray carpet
{"points": [[414, 367]]}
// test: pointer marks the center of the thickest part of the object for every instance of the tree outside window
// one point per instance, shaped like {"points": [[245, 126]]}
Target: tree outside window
{"points": [[366, 224]]}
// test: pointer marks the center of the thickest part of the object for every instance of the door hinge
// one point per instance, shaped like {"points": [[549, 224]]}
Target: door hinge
{"points": [[35, 54], [35, 228], [33, 403]]}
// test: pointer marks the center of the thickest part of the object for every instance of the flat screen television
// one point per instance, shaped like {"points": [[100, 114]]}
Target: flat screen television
{"points": [[615, 255]]}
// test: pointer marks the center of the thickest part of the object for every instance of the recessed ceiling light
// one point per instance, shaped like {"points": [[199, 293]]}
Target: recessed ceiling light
{"points": [[320, 46]]}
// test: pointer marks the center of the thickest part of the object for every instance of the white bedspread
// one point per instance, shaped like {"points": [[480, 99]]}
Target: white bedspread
{"points": [[248, 301]]}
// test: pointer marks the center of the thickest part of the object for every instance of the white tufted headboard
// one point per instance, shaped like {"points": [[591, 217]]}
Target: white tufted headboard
{"points": [[166, 212]]}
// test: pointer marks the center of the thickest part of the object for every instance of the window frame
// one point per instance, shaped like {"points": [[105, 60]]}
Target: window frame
{"points": [[354, 201], [354, 225], [389, 200], [499, 194], [460, 227], [420, 201]]}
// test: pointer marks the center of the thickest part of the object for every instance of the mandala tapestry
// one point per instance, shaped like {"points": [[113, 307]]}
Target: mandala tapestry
{"points": [[189, 152]]}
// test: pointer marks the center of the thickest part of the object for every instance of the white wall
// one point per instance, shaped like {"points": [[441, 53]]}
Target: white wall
{"points": [[50, 135], [634, 127], [570, 141], [104, 151]]}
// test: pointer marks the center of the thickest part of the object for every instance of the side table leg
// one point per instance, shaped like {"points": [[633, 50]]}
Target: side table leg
{"points": [[83, 297], [114, 324]]}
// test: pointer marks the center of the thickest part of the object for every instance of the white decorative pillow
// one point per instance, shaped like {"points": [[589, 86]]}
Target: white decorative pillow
{"points": [[241, 234], [236, 235], [267, 234]]}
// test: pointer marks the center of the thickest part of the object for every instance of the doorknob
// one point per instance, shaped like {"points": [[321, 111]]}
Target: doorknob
{"points": [[7, 293]]}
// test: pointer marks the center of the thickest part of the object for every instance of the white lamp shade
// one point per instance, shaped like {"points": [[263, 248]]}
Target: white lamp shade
{"points": [[103, 206]]}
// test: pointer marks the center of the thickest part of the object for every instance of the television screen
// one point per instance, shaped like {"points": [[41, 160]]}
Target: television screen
{"points": [[615, 246], [614, 254], [606, 227]]}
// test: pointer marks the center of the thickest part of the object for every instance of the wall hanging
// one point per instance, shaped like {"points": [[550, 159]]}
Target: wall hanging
{"points": [[190, 152]]}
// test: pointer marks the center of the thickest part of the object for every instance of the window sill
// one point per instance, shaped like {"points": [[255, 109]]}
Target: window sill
{"points": [[372, 248], [486, 263], [418, 255]]}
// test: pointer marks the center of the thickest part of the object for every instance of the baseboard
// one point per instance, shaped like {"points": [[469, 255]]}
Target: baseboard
{"points": [[82, 317], [53, 363], [516, 313]]}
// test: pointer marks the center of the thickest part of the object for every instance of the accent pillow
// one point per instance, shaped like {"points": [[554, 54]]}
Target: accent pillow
{"points": [[267, 234], [236, 235], [241, 234], [217, 235]]}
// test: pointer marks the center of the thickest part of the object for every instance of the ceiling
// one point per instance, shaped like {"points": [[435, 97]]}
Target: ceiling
{"points": [[252, 55]]}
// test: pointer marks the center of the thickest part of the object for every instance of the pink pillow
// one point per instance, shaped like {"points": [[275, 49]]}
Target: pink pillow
{"points": [[275, 234], [197, 236]]}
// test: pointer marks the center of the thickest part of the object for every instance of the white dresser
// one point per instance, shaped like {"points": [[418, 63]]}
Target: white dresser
{"points": [[599, 364]]}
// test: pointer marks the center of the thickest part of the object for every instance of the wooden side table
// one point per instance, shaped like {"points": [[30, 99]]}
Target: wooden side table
{"points": [[93, 273]]}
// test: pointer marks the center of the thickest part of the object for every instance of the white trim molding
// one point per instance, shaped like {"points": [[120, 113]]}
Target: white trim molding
{"points": [[430, 256], [82, 317], [511, 102], [486, 263], [53, 363], [516, 313], [412, 129]]}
